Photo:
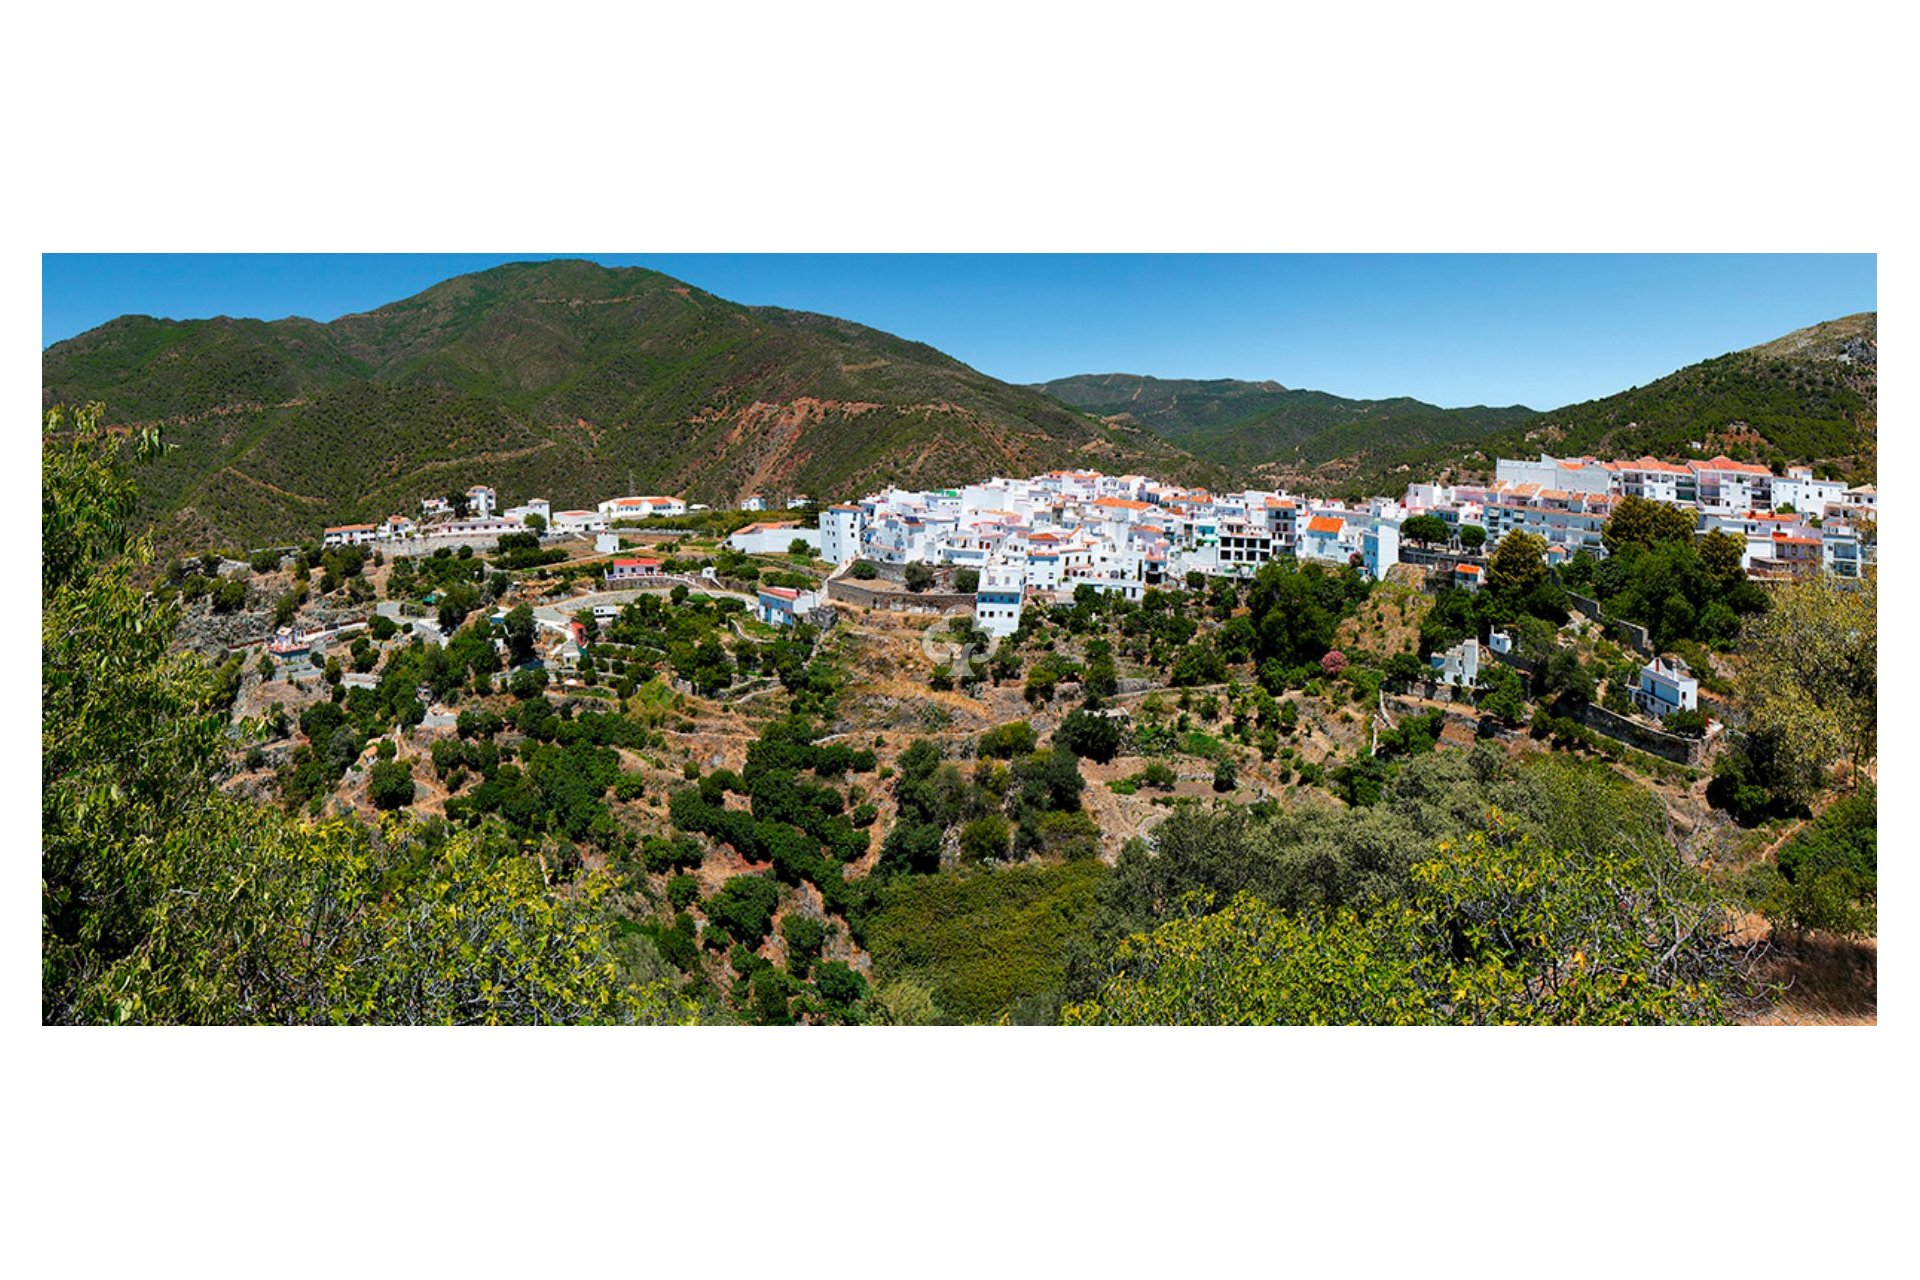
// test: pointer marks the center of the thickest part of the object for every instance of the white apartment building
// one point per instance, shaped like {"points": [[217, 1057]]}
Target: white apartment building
{"points": [[840, 529], [998, 599]]}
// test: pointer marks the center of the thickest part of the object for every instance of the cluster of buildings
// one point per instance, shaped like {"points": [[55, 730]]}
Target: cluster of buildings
{"points": [[1791, 525], [1048, 534], [483, 519], [1663, 685], [1125, 534]]}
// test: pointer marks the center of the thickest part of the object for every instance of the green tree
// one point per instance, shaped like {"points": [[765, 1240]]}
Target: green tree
{"points": [[986, 839], [1007, 741], [1645, 522], [1497, 929], [1425, 529], [390, 785], [1472, 537], [1810, 684], [805, 937], [744, 906], [230, 596], [519, 628], [918, 577], [1828, 876], [1519, 564], [1502, 695], [839, 984], [1295, 610], [1720, 556], [1089, 735]]}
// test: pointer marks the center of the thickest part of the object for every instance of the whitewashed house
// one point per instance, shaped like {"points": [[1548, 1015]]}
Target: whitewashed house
{"points": [[1666, 686], [784, 606], [633, 570], [349, 535], [772, 537], [1458, 666], [576, 522]]}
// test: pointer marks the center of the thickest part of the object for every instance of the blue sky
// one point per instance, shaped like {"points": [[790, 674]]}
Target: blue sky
{"points": [[1540, 330]]}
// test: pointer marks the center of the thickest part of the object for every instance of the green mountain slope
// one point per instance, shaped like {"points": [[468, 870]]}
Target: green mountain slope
{"points": [[563, 380], [1809, 397], [1266, 431]]}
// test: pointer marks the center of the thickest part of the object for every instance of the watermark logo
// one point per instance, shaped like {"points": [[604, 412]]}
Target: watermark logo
{"points": [[957, 644]]}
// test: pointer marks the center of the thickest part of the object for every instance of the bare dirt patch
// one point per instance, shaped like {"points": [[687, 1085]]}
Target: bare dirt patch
{"points": [[1826, 981]]}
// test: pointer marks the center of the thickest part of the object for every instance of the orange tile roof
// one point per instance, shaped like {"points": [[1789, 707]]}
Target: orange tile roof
{"points": [[1650, 463], [1325, 524], [1724, 463], [1122, 504]]}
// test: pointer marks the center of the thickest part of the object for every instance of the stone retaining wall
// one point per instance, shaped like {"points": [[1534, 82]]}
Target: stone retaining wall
{"points": [[1643, 737], [1631, 633], [848, 591]]}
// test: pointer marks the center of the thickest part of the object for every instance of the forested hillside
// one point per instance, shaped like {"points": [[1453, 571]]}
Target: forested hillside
{"points": [[1282, 435], [563, 380], [1808, 397]]}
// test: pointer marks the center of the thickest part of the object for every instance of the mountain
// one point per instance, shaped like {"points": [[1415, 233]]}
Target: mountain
{"points": [[1809, 397], [1263, 430], [564, 380]]}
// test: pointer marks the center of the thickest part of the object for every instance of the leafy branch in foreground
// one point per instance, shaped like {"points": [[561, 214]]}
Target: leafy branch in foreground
{"points": [[1498, 929]]}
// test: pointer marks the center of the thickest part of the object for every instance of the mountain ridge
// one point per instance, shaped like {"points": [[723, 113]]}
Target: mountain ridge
{"points": [[1808, 397], [591, 380], [1276, 434], [572, 381]]}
